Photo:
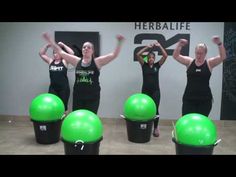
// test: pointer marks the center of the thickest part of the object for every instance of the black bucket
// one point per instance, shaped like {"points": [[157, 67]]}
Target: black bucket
{"points": [[139, 132], [82, 148], [183, 149], [47, 132]]}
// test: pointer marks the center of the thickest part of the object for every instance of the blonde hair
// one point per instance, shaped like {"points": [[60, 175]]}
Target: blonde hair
{"points": [[201, 45]]}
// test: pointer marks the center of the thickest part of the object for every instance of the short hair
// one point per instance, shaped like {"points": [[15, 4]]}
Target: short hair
{"points": [[201, 45]]}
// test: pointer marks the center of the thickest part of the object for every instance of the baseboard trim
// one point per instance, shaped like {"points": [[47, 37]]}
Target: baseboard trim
{"points": [[162, 122]]}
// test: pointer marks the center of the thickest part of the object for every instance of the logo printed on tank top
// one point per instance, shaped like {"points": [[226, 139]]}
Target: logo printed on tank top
{"points": [[56, 68], [85, 76], [198, 70]]}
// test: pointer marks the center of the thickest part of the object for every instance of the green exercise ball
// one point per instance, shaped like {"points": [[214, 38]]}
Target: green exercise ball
{"points": [[139, 107], [82, 125], [195, 129], [145, 59], [46, 107]]}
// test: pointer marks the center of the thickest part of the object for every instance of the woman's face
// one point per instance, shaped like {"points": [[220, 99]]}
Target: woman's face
{"points": [[151, 58], [56, 56], [87, 49], [200, 53]]}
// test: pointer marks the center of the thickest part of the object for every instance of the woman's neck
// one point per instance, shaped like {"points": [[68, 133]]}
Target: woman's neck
{"points": [[199, 62], [86, 60], [150, 65], [56, 61]]}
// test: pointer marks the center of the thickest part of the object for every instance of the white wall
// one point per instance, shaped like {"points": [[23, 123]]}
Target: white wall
{"points": [[23, 75]]}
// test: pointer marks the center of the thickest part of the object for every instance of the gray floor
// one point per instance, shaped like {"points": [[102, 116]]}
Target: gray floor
{"points": [[17, 137]]}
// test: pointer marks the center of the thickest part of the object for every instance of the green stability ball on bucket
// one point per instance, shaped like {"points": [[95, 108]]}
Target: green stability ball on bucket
{"points": [[195, 129], [46, 107], [139, 107], [82, 125]]}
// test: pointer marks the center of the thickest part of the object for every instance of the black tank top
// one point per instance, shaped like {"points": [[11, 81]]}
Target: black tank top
{"points": [[198, 82], [87, 81], [150, 77], [58, 75]]}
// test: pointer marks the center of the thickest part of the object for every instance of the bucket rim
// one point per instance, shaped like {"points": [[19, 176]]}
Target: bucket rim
{"points": [[36, 121], [90, 142], [56, 120], [149, 120], [188, 145], [139, 121]]}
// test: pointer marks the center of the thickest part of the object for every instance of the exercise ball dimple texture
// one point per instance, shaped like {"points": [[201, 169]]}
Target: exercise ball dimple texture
{"points": [[82, 125], [195, 129], [139, 107], [46, 107]]}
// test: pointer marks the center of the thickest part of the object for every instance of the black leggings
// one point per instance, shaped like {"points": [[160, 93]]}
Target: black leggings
{"points": [[63, 94], [201, 107], [156, 98], [89, 104]]}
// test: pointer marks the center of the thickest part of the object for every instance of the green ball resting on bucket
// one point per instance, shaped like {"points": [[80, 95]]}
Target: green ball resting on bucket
{"points": [[195, 129], [139, 107], [82, 125], [46, 107]]}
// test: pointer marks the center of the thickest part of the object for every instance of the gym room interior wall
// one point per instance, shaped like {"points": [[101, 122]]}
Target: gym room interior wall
{"points": [[24, 75]]}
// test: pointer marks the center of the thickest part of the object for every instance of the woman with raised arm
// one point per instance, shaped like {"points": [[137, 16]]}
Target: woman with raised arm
{"points": [[150, 72], [59, 84], [86, 92], [197, 97]]}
